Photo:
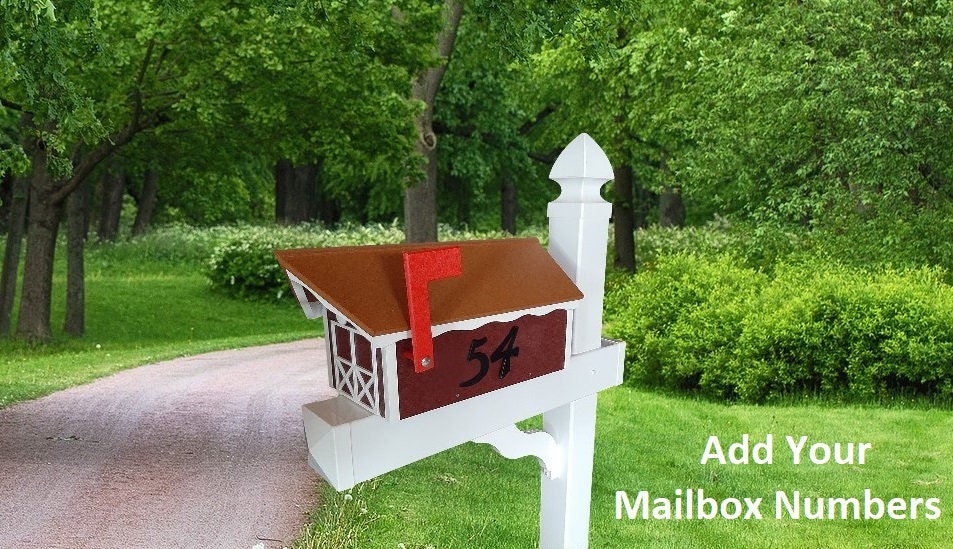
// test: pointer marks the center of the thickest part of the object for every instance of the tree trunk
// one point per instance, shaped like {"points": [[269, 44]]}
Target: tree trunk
{"points": [[671, 209], [420, 199], [11, 255], [33, 323], [7, 183], [327, 209], [295, 192], [643, 202], [623, 219], [305, 197], [113, 191], [283, 174], [420, 203], [508, 205], [77, 206], [146, 204]]}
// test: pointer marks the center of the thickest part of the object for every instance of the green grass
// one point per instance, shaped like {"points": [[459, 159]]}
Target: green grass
{"points": [[469, 497], [141, 310]]}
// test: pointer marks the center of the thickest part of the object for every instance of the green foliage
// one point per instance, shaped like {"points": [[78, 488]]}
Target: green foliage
{"points": [[838, 330], [220, 197], [479, 114], [244, 265], [759, 246], [171, 245], [904, 240], [899, 240], [680, 319], [729, 331], [800, 107], [34, 8], [780, 111]]}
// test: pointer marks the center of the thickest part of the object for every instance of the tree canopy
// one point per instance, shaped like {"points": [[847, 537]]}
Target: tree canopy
{"points": [[806, 111]]}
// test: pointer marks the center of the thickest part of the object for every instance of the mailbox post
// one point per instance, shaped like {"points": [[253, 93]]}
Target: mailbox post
{"points": [[401, 395], [578, 237]]}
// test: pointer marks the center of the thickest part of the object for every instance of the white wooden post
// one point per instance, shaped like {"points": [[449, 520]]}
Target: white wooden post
{"points": [[578, 236]]}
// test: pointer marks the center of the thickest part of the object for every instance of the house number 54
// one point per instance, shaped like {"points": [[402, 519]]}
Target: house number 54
{"points": [[506, 350]]}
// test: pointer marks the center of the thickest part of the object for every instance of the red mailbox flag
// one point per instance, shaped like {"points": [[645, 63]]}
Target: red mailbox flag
{"points": [[420, 267]]}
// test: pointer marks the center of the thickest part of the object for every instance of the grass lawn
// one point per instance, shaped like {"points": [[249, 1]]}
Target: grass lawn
{"points": [[471, 497], [137, 312]]}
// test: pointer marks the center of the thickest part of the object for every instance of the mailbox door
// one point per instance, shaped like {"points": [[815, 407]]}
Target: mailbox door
{"points": [[355, 365], [469, 363]]}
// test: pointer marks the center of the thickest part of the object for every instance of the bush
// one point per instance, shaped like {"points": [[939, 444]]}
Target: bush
{"points": [[680, 321], [759, 246], [243, 265], [843, 331], [174, 244], [728, 331]]}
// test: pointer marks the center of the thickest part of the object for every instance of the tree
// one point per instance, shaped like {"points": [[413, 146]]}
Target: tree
{"points": [[66, 130], [220, 93], [420, 199], [511, 32], [806, 109], [363, 135], [615, 73], [133, 76], [483, 118]]}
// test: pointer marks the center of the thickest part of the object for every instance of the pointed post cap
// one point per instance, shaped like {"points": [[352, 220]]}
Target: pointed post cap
{"points": [[581, 170]]}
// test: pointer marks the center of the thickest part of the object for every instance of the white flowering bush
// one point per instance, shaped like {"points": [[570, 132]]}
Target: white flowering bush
{"points": [[243, 264], [173, 244], [758, 246]]}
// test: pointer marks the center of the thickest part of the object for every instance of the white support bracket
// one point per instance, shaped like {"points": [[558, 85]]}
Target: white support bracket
{"points": [[514, 443]]}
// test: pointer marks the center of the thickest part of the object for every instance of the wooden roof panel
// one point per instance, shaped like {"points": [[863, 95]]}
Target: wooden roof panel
{"points": [[366, 283]]}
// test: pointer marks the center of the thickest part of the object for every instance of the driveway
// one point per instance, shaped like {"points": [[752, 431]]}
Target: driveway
{"points": [[202, 451]]}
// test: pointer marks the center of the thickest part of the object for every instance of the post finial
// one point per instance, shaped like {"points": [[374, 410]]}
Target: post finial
{"points": [[581, 170]]}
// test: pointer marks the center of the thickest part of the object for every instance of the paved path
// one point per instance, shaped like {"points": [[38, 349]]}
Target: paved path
{"points": [[203, 451]]}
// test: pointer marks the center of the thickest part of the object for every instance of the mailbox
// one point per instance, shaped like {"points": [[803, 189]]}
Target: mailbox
{"points": [[433, 345], [503, 317]]}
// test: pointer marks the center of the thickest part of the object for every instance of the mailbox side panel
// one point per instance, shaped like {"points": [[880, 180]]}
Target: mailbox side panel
{"points": [[468, 363]]}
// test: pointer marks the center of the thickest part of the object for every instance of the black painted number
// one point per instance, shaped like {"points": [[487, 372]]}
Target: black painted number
{"points": [[481, 357], [506, 350]]}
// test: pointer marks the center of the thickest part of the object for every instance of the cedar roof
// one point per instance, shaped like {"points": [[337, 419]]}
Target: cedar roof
{"points": [[366, 283]]}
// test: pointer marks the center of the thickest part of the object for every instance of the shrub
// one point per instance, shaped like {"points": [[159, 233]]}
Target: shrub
{"points": [[679, 320], [759, 246], [728, 331], [831, 329], [243, 265], [174, 244]]}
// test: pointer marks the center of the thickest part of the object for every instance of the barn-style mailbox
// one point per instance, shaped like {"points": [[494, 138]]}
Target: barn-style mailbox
{"points": [[430, 346], [502, 318]]}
